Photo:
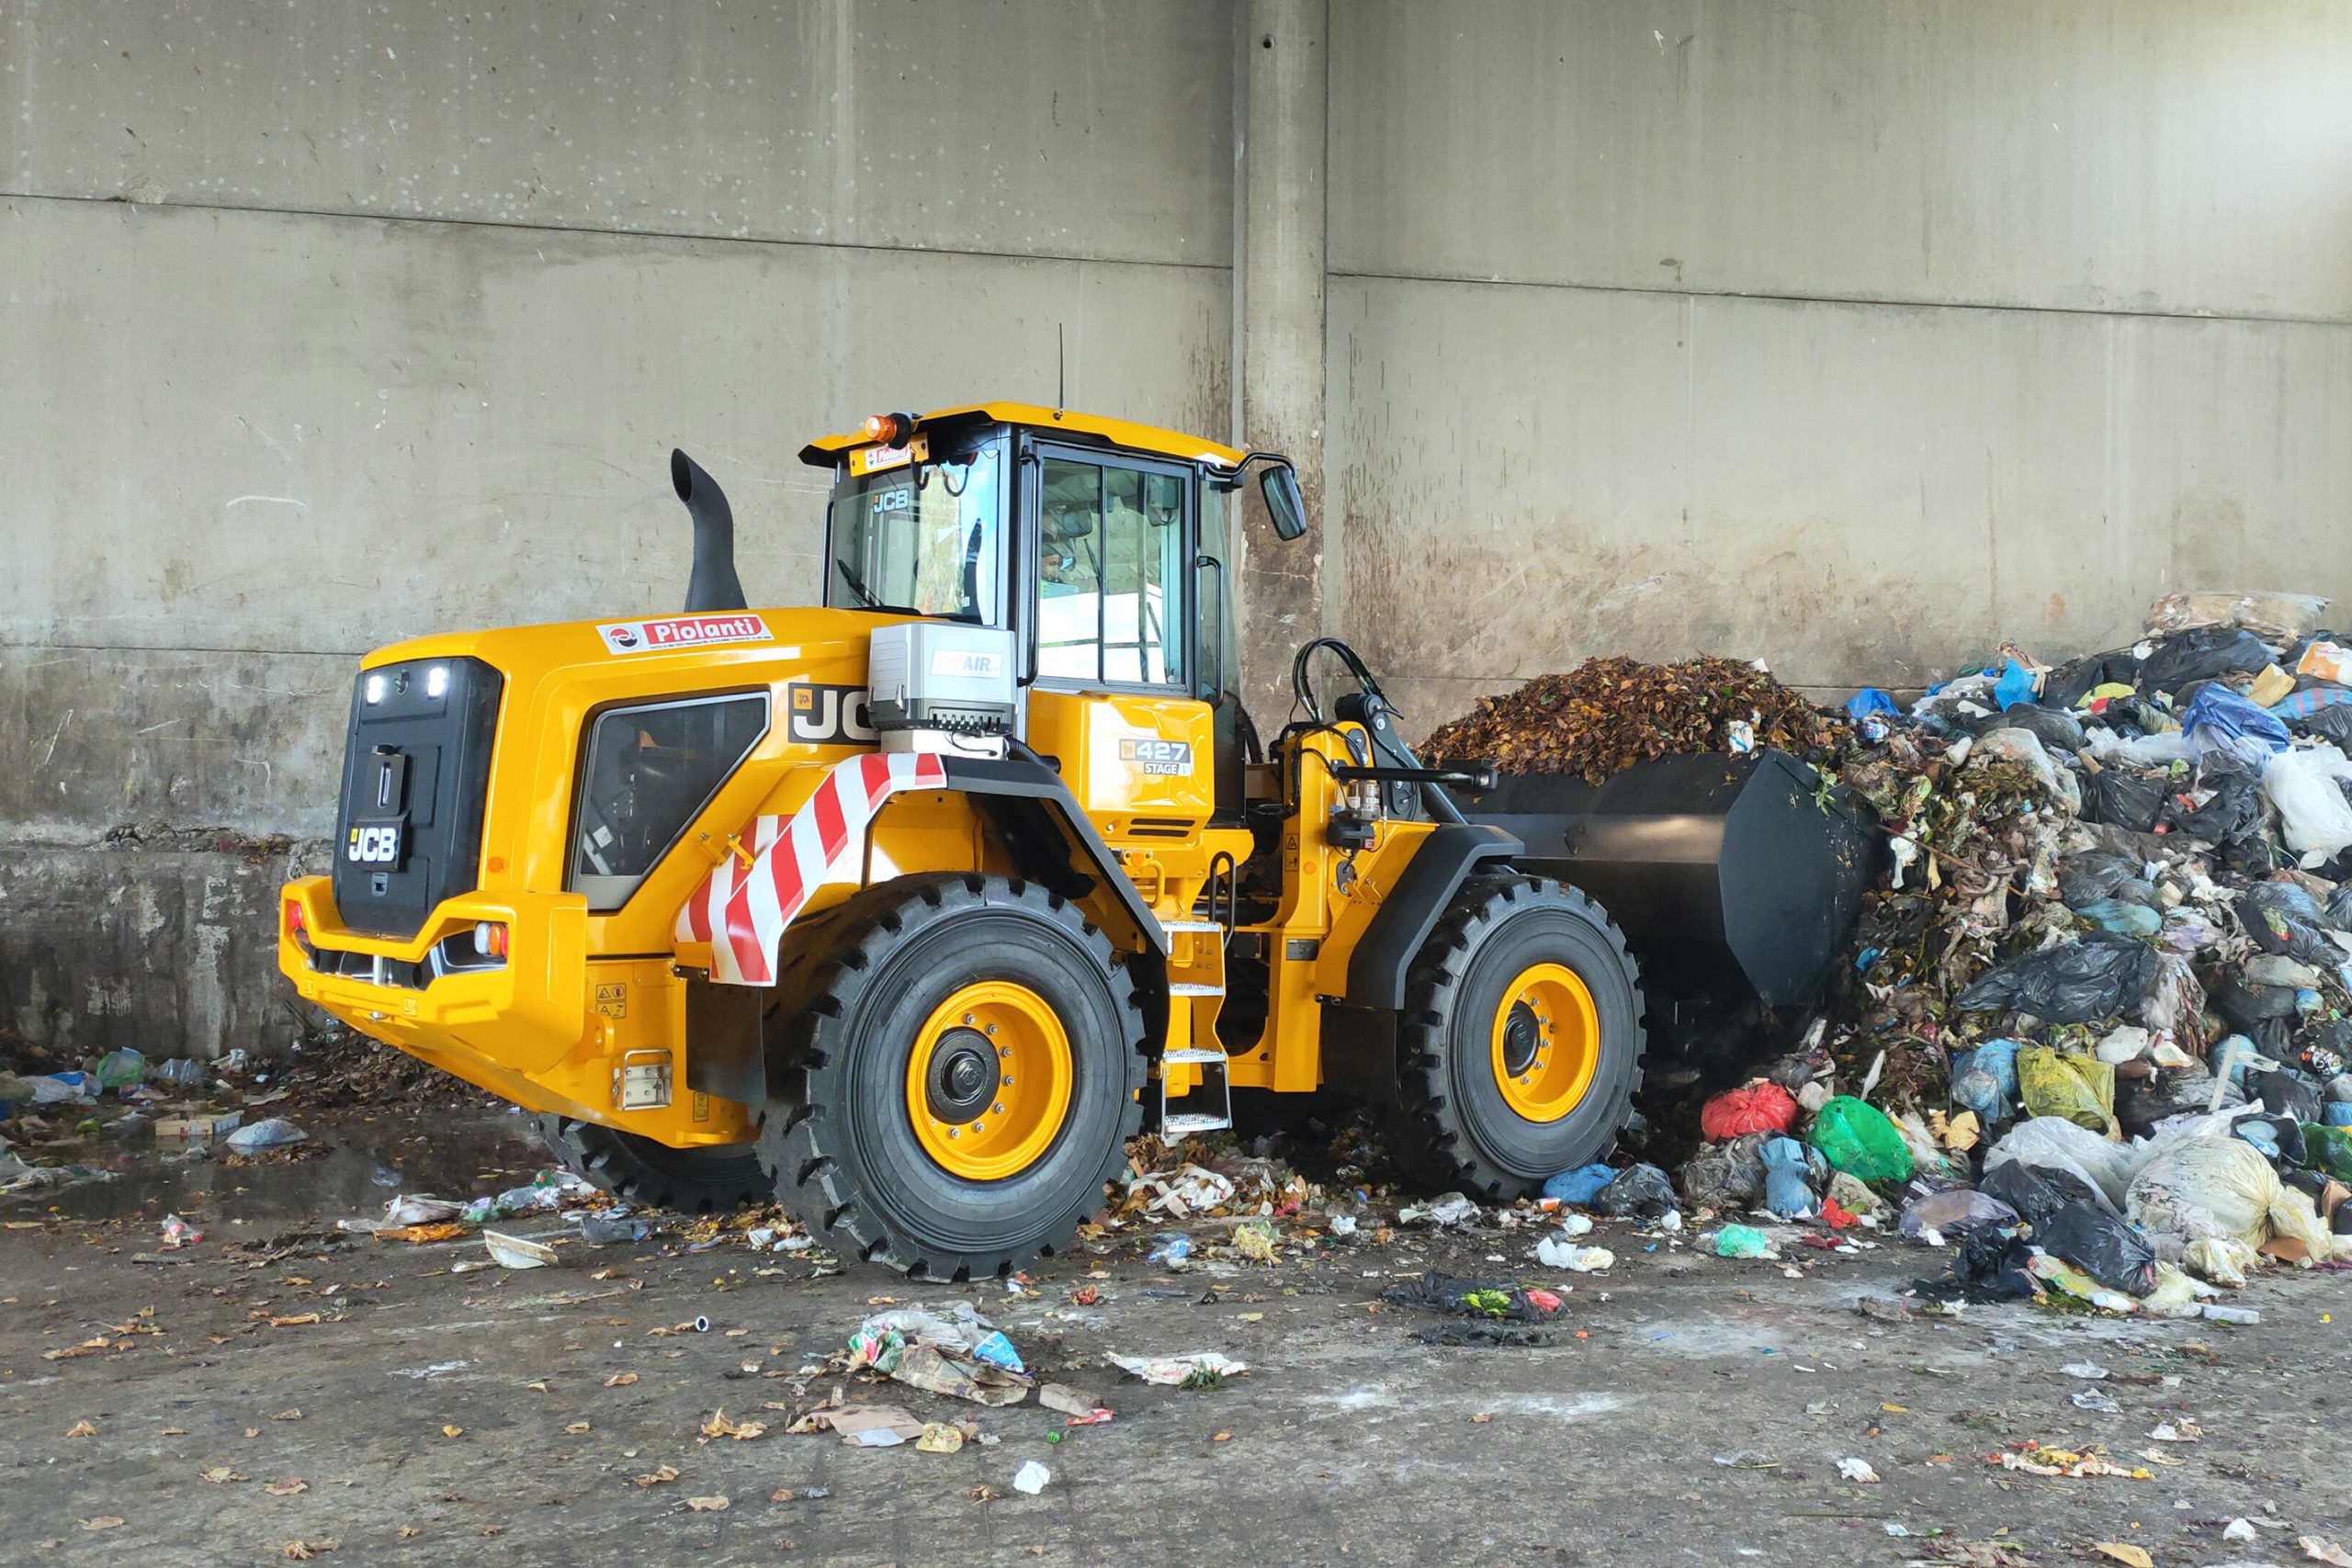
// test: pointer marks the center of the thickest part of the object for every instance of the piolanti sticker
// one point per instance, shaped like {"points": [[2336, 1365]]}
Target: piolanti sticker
{"points": [[828, 715], [672, 632]]}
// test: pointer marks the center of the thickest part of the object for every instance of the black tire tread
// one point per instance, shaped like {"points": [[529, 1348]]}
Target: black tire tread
{"points": [[629, 1166], [1436, 1146], [798, 1142]]}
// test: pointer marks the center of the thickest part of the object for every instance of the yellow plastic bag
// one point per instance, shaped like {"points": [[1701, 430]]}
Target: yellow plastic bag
{"points": [[2059, 1083]]}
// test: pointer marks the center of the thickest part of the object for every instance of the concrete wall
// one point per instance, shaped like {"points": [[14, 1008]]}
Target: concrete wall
{"points": [[1854, 336], [328, 325]]}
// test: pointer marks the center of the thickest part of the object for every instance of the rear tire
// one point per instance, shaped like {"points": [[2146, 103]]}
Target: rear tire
{"points": [[1524, 972], [710, 1180], [856, 1125]]}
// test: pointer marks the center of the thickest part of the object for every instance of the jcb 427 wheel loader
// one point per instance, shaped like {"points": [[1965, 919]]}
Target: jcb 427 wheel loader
{"points": [[908, 908]]}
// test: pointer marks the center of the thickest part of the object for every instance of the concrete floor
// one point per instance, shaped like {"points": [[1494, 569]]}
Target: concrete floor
{"points": [[1349, 1440]]}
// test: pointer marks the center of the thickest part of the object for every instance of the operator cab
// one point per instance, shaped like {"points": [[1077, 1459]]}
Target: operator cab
{"points": [[1100, 548]]}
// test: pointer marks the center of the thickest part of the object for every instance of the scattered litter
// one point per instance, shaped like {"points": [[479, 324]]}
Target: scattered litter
{"points": [[515, 1252]]}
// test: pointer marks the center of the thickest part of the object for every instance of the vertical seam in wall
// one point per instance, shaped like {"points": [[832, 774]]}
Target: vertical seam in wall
{"points": [[1330, 575]]}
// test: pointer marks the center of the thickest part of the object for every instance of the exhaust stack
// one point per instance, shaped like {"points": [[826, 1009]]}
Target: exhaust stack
{"points": [[713, 585]]}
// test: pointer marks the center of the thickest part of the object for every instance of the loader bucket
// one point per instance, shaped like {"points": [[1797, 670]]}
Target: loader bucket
{"points": [[1725, 874]]}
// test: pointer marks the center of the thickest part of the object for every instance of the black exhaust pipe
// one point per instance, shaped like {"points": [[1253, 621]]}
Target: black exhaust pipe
{"points": [[713, 585]]}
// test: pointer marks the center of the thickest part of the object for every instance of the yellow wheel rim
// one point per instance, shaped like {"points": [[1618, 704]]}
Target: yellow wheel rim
{"points": [[987, 1086], [1546, 1042]]}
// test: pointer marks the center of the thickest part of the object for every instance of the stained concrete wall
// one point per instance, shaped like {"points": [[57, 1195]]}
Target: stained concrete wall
{"points": [[328, 325], [1854, 336]]}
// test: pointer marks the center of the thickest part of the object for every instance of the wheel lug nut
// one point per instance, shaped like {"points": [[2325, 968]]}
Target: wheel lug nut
{"points": [[1008, 1080], [1004, 1051], [991, 1030], [997, 1108]]}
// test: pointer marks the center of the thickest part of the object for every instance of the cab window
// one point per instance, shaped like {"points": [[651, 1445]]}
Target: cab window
{"points": [[922, 538], [1110, 574]]}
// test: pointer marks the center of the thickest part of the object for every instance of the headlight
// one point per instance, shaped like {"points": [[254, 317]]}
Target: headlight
{"points": [[436, 680], [375, 689]]}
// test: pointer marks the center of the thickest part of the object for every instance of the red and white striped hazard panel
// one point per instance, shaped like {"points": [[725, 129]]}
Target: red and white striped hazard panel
{"points": [[741, 911]]}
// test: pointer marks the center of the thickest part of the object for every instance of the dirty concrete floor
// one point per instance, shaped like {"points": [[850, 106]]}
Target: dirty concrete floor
{"points": [[475, 1416]]}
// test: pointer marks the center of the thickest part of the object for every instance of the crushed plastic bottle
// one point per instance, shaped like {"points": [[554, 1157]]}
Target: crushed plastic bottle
{"points": [[1170, 1246], [177, 1233]]}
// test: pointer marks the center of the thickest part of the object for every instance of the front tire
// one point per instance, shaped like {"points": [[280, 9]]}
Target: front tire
{"points": [[1520, 1046], [715, 1180], [959, 1078]]}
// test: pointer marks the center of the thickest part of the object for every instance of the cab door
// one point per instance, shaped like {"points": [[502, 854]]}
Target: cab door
{"points": [[1109, 541]]}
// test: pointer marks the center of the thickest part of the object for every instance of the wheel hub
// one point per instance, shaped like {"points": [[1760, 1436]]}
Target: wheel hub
{"points": [[963, 1071], [1523, 1037], [989, 1080], [1546, 1042]]}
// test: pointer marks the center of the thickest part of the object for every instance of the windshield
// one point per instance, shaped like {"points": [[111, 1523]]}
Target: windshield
{"points": [[926, 538]]}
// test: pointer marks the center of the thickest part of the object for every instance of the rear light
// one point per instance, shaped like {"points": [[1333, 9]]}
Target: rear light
{"points": [[890, 428], [490, 939], [297, 926]]}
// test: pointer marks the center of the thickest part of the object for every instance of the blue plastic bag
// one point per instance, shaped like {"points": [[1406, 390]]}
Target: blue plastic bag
{"points": [[2016, 685], [1986, 1080], [1868, 700], [2219, 719], [2302, 704], [1788, 1179], [1581, 1185], [2122, 915]]}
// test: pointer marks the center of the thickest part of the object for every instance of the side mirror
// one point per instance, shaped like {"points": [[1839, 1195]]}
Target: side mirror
{"points": [[1284, 505]]}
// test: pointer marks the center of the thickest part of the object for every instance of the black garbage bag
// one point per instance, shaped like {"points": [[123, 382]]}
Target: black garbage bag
{"points": [[2071, 681], [2055, 729], [2332, 724], [2109, 1250], [2098, 875], [2122, 798], [2286, 1132], [2286, 1092], [2337, 915], [2203, 654], [2233, 811], [1728, 1175], [2248, 1007], [2140, 1103], [1638, 1192], [2035, 1191], [1987, 1265], [2078, 982], [2283, 919], [2325, 1048]]}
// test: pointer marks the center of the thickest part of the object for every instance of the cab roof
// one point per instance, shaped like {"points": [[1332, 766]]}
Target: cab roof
{"points": [[827, 451]]}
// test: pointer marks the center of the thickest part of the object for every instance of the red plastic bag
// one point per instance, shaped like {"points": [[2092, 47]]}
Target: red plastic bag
{"points": [[1758, 1106]]}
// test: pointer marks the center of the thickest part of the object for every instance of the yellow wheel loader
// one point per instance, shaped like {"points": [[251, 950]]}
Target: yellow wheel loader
{"points": [[910, 908]]}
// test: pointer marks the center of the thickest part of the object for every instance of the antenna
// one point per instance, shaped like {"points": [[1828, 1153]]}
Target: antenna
{"points": [[1061, 372]]}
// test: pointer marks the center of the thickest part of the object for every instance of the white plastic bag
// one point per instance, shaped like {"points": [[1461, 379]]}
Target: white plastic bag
{"points": [[2203, 1188], [2312, 812], [2024, 746], [2107, 1168], [2156, 751]]}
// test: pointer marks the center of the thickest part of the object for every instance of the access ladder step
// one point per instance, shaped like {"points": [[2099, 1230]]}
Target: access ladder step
{"points": [[1175, 1128], [1193, 1053], [1193, 988], [1203, 926]]}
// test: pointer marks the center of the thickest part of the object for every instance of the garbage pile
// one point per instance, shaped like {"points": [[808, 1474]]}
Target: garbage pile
{"points": [[2093, 1026]]}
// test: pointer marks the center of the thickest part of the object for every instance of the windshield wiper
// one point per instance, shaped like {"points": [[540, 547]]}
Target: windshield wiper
{"points": [[857, 586]]}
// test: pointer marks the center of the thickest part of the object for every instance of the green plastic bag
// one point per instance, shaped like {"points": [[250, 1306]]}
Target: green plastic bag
{"points": [[1857, 1138], [2058, 1083], [2329, 1148]]}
